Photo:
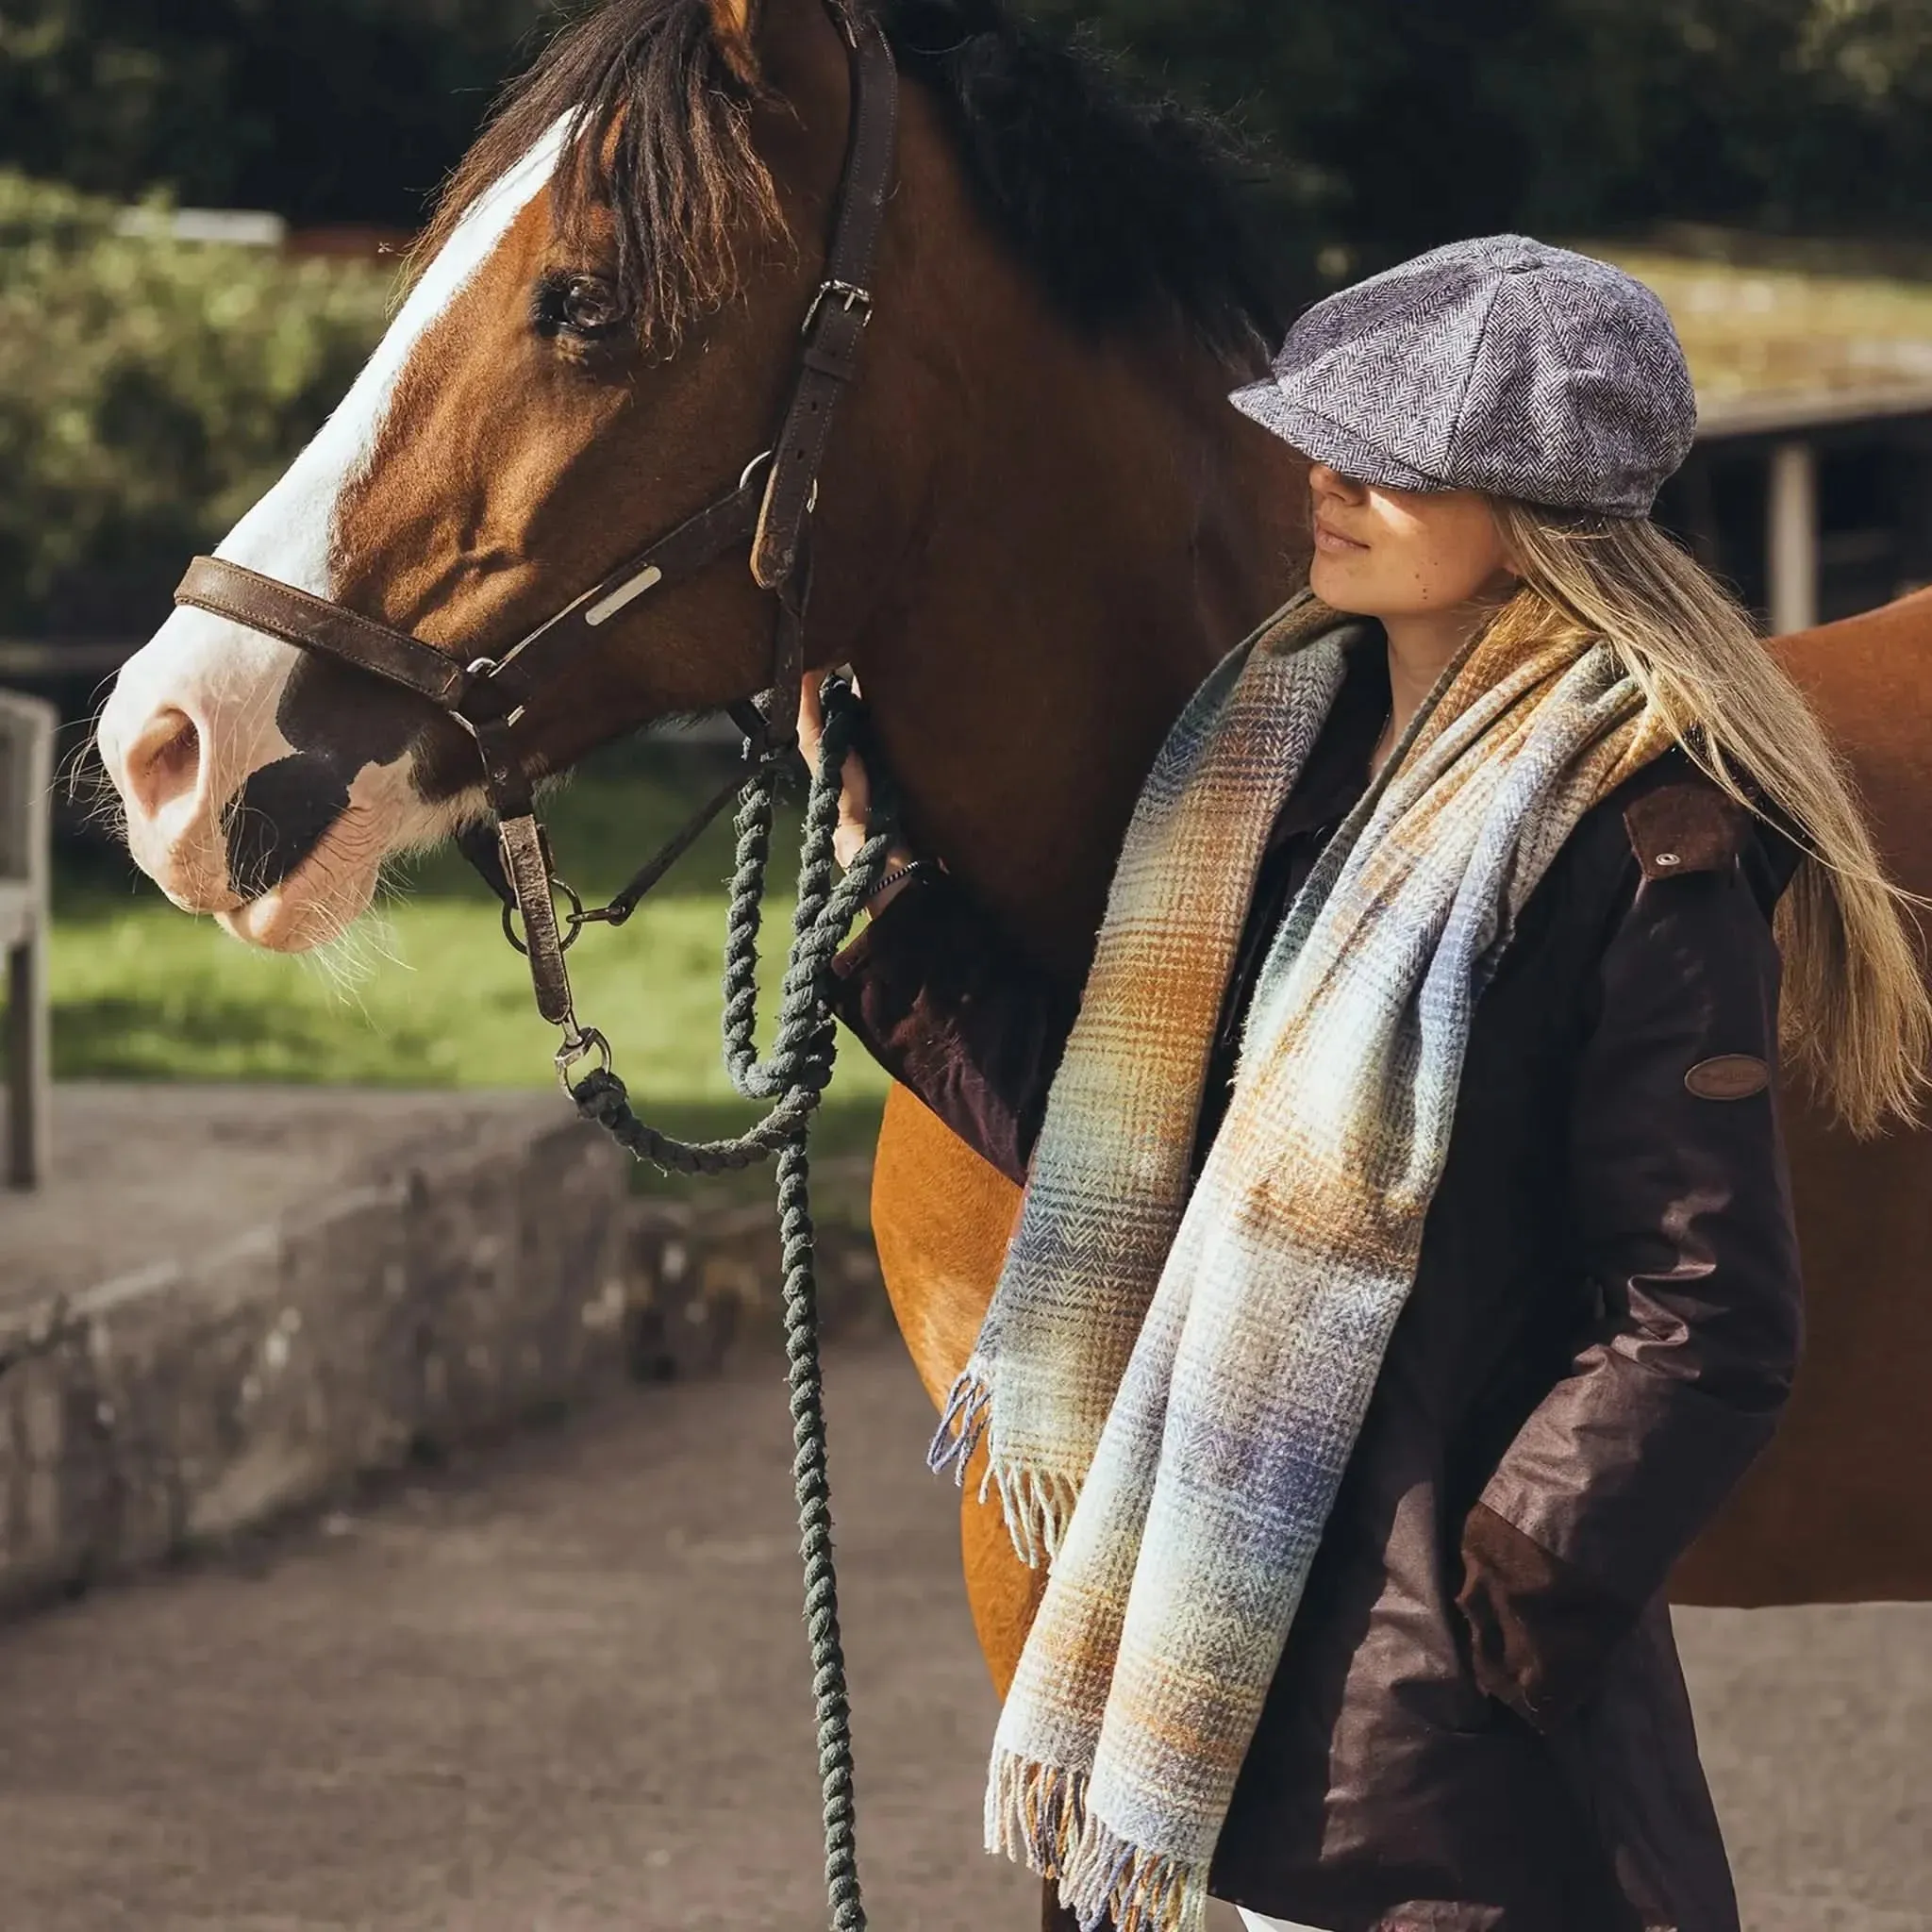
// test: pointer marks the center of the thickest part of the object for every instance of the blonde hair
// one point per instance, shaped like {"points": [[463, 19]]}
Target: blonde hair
{"points": [[1856, 1017]]}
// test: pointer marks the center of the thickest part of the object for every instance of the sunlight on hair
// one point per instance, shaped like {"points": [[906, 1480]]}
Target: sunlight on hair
{"points": [[1856, 1014]]}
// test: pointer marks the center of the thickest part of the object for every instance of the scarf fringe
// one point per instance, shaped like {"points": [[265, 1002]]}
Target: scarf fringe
{"points": [[1037, 1504], [961, 1425], [1036, 1815]]}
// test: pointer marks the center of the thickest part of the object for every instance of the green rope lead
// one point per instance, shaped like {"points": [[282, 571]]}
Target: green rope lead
{"points": [[794, 1078]]}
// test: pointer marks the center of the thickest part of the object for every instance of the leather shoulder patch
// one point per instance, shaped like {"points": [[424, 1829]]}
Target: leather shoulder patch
{"points": [[1729, 1077], [1687, 825]]}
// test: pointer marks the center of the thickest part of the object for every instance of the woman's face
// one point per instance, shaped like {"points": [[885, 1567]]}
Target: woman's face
{"points": [[1402, 553]]}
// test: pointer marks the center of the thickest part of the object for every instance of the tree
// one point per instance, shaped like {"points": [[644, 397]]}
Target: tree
{"points": [[150, 390], [1398, 124], [1414, 124], [325, 110]]}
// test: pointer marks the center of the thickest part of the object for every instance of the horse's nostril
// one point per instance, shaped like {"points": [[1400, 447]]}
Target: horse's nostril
{"points": [[164, 761]]}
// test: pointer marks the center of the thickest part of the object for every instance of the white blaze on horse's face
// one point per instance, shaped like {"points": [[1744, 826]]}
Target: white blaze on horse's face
{"points": [[194, 714]]}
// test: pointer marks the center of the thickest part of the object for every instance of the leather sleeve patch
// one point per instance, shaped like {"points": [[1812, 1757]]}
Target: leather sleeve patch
{"points": [[1729, 1077], [1689, 827]]}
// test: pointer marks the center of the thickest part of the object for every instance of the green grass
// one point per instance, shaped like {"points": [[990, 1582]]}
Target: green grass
{"points": [[426, 994], [1751, 331]]}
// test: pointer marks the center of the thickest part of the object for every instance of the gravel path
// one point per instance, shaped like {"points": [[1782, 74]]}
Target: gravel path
{"points": [[562, 1689]]}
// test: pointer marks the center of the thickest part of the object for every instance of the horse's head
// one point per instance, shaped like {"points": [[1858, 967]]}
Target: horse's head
{"points": [[602, 330]]}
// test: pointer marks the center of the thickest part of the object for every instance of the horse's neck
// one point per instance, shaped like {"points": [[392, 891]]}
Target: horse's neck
{"points": [[1107, 533], [1867, 677]]}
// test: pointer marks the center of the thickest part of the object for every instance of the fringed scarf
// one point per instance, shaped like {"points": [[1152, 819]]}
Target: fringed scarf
{"points": [[1171, 1385]]}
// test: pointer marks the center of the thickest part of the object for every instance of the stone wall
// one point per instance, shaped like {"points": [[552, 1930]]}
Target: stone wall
{"points": [[457, 1297]]}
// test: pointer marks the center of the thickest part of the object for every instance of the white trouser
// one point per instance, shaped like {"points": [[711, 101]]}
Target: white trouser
{"points": [[1255, 1923]]}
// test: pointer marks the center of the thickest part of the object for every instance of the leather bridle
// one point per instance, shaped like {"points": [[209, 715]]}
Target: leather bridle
{"points": [[770, 510]]}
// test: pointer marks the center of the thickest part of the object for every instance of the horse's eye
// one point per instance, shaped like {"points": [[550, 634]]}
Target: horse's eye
{"points": [[581, 305]]}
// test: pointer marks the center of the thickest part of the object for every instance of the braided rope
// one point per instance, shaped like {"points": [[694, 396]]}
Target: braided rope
{"points": [[794, 1077]]}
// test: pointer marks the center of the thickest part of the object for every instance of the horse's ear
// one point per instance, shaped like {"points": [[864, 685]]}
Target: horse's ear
{"points": [[735, 28]]}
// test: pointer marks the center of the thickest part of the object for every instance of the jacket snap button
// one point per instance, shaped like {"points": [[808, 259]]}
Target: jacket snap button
{"points": [[1668, 858]]}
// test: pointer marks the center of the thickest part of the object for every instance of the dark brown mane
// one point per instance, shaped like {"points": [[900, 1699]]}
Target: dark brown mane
{"points": [[1128, 214], [659, 132]]}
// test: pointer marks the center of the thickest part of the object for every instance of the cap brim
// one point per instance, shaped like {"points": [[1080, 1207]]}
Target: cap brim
{"points": [[1324, 440]]}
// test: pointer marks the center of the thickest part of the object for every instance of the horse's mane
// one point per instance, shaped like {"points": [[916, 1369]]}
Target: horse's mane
{"points": [[1127, 212]]}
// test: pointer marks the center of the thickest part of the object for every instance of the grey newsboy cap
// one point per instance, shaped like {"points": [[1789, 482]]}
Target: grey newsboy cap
{"points": [[1500, 364]]}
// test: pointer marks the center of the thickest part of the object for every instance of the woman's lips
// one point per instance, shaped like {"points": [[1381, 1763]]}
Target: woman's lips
{"points": [[1333, 540]]}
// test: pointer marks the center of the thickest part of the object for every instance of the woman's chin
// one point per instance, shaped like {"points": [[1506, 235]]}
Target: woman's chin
{"points": [[1338, 587]]}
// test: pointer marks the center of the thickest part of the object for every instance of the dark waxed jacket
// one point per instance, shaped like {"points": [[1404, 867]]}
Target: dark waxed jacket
{"points": [[1479, 1723]]}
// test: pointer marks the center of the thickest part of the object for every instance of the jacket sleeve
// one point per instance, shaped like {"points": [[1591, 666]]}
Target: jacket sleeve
{"points": [[1681, 1204], [955, 1012]]}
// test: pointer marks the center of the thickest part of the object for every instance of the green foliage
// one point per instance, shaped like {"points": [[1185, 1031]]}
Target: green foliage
{"points": [[1420, 124], [326, 110], [1407, 122], [149, 392]]}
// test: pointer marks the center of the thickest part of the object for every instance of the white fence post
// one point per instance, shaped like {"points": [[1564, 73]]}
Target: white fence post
{"points": [[1791, 537], [26, 778]]}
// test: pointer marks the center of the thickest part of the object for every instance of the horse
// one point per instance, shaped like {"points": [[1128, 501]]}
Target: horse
{"points": [[1037, 528], [1834, 1511]]}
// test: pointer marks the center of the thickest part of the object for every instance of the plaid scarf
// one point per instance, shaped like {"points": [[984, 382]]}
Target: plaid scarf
{"points": [[1171, 1386]]}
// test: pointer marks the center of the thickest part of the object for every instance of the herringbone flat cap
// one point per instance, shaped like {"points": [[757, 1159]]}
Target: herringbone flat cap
{"points": [[1500, 364]]}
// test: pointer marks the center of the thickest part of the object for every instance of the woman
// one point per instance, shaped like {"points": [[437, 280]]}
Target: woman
{"points": [[1406, 1272]]}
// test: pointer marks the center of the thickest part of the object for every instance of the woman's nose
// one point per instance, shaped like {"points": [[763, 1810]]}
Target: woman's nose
{"points": [[1327, 482]]}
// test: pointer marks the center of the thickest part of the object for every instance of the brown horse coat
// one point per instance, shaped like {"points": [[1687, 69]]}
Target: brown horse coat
{"points": [[1479, 1723]]}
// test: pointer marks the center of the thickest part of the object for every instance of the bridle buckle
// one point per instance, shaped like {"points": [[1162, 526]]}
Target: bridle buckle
{"points": [[848, 296], [580, 1044]]}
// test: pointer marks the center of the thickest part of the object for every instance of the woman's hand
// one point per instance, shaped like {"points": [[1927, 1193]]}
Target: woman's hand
{"points": [[855, 797]]}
